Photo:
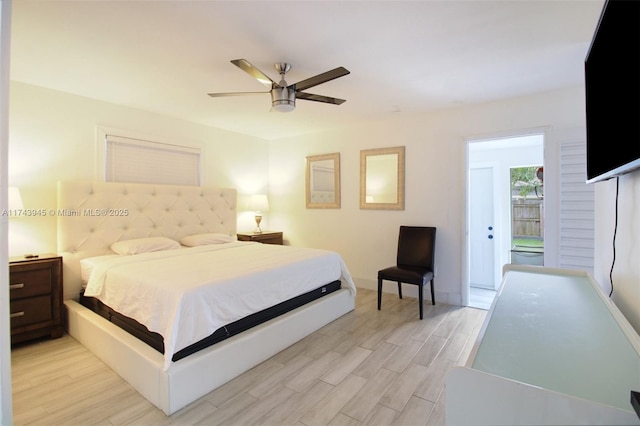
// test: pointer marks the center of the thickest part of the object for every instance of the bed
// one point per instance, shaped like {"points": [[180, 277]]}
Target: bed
{"points": [[183, 342]]}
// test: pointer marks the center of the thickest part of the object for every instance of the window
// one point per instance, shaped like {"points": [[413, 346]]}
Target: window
{"points": [[135, 160]]}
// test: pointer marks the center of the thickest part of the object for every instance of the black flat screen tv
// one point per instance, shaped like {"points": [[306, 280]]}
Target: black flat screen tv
{"points": [[612, 90]]}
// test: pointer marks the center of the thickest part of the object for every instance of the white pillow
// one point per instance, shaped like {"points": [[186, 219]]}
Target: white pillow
{"points": [[204, 239], [144, 245]]}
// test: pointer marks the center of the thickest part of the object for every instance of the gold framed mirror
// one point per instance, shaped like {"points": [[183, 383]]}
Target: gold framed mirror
{"points": [[323, 181], [382, 178]]}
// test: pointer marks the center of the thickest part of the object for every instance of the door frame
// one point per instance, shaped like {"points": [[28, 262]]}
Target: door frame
{"points": [[504, 222]]}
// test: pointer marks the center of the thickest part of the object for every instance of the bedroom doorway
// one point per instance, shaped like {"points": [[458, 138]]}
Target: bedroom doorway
{"points": [[489, 210]]}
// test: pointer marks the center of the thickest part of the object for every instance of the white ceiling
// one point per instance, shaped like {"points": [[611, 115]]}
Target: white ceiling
{"points": [[405, 57]]}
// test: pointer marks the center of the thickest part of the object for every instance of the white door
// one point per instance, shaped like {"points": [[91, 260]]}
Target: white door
{"points": [[481, 228]]}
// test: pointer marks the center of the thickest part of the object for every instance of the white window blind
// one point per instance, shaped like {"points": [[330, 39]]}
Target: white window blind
{"points": [[140, 161]]}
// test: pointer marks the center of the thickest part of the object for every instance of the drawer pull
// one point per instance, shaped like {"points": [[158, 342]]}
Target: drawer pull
{"points": [[16, 286], [17, 314]]}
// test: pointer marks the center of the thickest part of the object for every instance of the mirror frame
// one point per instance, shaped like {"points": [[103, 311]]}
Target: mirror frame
{"points": [[336, 181], [364, 154]]}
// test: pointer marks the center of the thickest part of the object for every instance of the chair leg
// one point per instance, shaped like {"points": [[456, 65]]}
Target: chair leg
{"points": [[399, 290], [379, 292], [421, 299], [433, 297]]}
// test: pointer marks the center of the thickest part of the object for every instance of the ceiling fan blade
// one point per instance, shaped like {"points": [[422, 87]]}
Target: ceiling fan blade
{"points": [[247, 67], [321, 78], [319, 98], [219, 95]]}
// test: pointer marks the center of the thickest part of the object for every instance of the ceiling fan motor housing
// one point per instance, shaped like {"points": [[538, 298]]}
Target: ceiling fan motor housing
{"points": [[283, 99], [283, 95]]}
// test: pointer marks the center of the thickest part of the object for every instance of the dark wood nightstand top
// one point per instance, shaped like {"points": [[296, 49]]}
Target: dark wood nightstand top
{"points": [[266, 237], [20, 259]]}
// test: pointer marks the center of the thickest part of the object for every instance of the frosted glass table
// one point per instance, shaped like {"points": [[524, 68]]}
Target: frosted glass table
{"points": [[553, 350]]}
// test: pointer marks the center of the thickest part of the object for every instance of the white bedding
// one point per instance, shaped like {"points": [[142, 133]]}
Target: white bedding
{"points": [[188, 293]]}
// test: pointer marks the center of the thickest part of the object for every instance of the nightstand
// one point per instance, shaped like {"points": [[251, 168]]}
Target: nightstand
{"points": [[265, 237], [35, 295]]}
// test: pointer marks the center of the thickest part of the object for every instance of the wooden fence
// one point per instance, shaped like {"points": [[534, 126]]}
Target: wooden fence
{"points": [[527, 217]]}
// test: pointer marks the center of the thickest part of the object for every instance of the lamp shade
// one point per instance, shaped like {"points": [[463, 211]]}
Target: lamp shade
{"points": [[259, 202], [15, 199]]}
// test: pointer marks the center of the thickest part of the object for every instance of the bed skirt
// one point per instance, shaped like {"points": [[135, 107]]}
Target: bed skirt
{"points": [[200, 373]]}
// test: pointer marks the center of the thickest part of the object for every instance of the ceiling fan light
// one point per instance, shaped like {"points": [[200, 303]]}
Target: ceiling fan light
{"points": [[283, 99], [283, 106]]}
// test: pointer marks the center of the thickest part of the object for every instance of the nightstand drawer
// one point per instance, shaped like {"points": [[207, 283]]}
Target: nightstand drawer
{"points": [[29, 282], [30, 311]]}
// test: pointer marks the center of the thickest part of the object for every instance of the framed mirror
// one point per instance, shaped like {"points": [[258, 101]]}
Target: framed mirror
{"points": [[382, 178], [323, 181]]}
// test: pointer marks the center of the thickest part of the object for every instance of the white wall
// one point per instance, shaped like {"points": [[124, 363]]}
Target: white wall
{"points": [[6, 409], [435, 181], [626, 269], [53, 137]]}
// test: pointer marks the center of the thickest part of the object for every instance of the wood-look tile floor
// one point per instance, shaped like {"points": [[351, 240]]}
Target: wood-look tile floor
{"points": [[368, 367]]}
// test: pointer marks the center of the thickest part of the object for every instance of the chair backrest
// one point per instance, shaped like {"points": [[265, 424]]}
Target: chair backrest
{"points": [[417, 246]]}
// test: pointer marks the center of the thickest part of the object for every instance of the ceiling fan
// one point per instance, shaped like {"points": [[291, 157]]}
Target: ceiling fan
{"points": [[283, 95]]}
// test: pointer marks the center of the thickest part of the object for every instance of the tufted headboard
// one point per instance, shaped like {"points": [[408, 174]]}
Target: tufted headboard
{"points": [[92, 215]]}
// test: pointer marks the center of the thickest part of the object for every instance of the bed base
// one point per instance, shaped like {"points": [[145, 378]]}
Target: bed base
{"points": [[156, 341], [191, 378]]}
